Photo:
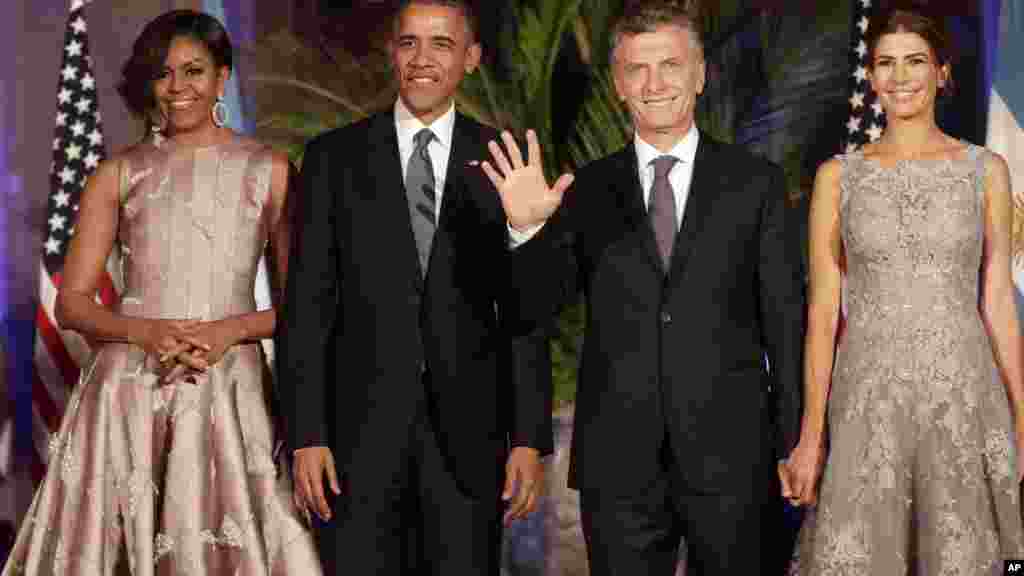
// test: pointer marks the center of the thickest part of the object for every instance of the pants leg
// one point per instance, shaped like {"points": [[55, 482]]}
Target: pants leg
{"points": [[367, 535], [375, 520], [460, 535], [723, 534], [631, 534], [640, 533]]}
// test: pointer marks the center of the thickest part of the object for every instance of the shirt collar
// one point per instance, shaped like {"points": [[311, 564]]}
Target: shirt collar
{"points": [[408, 124], [685, 149]]}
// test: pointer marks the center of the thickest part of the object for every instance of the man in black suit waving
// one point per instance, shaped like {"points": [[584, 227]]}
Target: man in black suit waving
{"points": [[689, 260], [397, 374]]}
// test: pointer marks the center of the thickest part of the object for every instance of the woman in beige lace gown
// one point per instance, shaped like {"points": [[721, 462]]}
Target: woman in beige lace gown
{"points": [[165, 462], [924, 411]]}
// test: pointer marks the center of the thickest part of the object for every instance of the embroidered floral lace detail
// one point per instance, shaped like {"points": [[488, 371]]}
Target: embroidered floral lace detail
{"points": [[920, 477], [162, 546], [231, 535]]}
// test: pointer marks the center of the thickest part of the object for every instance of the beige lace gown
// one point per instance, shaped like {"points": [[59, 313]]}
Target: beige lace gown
{"points": [[920, 476], [179, 478]]}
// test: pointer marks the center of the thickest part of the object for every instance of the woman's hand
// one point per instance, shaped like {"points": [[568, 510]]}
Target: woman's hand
{"points": [[170, 342], [803, 469], [212, 340], [165, 339]]}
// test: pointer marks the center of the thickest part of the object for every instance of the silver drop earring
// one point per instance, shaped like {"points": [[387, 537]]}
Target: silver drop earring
{"points": [[156, 123], [220, 112]]}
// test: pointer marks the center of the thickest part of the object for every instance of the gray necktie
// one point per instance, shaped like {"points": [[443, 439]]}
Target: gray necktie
{"points": [[662, 208], [419, 189]]}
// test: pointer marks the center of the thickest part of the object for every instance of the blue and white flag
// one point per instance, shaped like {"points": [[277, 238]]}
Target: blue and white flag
{"points": [[1006, 116]]}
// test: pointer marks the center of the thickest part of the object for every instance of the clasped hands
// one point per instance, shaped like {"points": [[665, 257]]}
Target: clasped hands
{"points": [[181, 346], [800, 472]]}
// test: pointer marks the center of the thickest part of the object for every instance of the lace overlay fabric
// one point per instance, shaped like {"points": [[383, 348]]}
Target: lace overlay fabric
{"points": [[920, 476], [153, 478]]}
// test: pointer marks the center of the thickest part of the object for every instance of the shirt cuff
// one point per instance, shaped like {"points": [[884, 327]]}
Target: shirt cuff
{"points": [[517, 238]]}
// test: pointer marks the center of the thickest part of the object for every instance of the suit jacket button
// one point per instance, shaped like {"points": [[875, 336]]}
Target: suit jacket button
{"points": [[666, 318]]}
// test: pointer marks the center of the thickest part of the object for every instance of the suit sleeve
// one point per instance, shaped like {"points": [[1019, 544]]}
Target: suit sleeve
{"points": [[531, 390], [310, 307], [781, 288], [539, 278], [542, 274]]}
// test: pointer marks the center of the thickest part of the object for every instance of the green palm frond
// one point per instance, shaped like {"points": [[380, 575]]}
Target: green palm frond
{"points": [[831, 17], [602, 126], [593, 31], [523, 100], [542, 26], [297, 91]]}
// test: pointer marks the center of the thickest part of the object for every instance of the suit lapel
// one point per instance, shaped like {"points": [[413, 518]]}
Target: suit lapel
{"points": [[698, 201], [385, 167], [462, 145], [442, 248], [631, 202]]}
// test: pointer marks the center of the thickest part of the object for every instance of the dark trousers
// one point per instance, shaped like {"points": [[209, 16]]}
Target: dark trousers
{"points": [[640, 533], [422, 525]]}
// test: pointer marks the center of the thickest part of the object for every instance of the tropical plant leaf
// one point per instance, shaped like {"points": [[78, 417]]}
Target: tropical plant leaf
{"points": [[522, 99], [603, 126], [592, 31], [297, 91]]}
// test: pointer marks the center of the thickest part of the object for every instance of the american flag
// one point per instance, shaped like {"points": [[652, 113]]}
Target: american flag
{"points": [[77, 151], [866, 120]]}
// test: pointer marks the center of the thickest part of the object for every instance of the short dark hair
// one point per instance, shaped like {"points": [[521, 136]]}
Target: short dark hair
{"points": [[464, 6], [150, 52], [647, 15], [916, 19]]}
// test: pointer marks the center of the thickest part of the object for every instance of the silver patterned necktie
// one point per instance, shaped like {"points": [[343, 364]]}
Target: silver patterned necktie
{"points": [[661, 208], [419, 189]]}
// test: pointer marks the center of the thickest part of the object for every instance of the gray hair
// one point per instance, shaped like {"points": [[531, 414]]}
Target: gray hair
{"points": [[648, 15]]}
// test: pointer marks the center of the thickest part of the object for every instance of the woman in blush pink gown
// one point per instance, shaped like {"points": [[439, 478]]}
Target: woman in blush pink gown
{"points": [[166, 461]]}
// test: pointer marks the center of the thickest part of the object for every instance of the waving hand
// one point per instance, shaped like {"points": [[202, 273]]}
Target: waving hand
{"points": [[525, 194]]}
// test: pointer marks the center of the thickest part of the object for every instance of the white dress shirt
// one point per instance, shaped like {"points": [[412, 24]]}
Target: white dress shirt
{"points": [[679, 177], [440, 147]]}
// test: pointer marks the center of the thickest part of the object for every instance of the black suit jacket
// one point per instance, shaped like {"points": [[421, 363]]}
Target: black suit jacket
{"points": [[679, 356], [361, 324]]}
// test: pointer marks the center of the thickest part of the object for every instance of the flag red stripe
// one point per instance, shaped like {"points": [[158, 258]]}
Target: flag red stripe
{"points": [[58, 353], [47, 408], [38, 468]]}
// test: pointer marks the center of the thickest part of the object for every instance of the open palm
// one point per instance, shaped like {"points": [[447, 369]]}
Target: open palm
{"points": [[524, 191]]}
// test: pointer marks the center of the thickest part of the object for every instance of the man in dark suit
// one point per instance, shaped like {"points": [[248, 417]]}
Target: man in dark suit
{"points": [[689, 260], [397, 374]]}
